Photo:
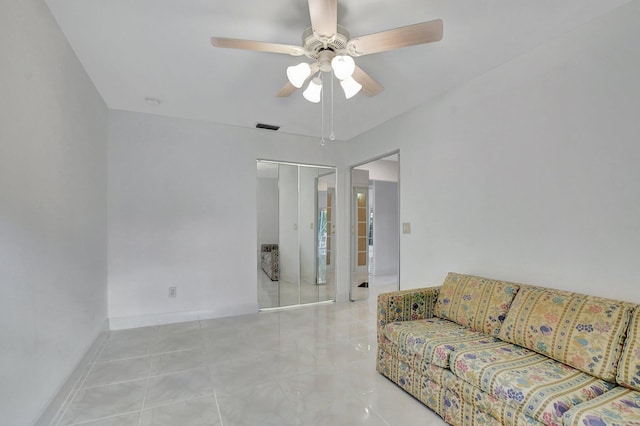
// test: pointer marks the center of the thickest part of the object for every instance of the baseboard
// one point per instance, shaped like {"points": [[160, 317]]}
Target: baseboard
{"points": [[55, 407], [122, 323]]}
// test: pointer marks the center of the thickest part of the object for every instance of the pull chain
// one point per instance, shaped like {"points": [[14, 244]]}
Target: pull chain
{"points": [[322, 141], [332, 135]]}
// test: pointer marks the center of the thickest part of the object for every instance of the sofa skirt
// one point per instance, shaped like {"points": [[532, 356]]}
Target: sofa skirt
{"points": [[453, 399]]}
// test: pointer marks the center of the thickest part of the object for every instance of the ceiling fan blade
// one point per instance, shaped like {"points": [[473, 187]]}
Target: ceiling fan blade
{"points": [[286, 90], [324, 17], [410, 35], [370, 87], [260, 46]]}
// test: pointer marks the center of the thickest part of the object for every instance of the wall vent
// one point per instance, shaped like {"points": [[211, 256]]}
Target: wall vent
{"points": [[267, 126]]}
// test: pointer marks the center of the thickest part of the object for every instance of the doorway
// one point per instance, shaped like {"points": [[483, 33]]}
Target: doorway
{"points": [[375, 227]]}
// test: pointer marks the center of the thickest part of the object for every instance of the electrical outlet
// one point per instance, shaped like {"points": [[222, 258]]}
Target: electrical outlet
{"points": [[173, 291], [406, 227]]}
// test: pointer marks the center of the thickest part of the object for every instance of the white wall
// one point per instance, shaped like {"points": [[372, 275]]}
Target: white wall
{"points": [[386, 244], [359, 177], [383, 170], [53, 146], [172, 223], [530, 172]]}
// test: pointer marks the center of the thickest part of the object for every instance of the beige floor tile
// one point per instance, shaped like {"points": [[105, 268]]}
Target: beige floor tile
{"points": [[104, 373], [195, 412], [177, 387], [105, 401]]}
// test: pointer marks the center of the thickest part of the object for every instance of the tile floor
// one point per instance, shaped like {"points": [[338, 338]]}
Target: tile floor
{"points": [[313, 365], [281, 293]]}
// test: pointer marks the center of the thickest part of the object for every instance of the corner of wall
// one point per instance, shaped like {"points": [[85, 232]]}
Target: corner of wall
{"points": [[58, 403]]}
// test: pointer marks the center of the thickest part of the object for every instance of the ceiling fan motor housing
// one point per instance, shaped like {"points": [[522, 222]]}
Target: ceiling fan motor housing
{"points": [[315, 46]]}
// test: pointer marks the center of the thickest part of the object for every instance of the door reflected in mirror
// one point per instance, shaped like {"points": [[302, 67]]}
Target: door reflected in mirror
{"points": [[296, 233]]}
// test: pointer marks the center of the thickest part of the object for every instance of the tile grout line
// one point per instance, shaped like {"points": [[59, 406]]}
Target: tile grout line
{"points": [[63, 408], [112, 416], [215, 396], [149, 375], [74, 392], [166, 404], [119, 382], [148, 355], [146, 390]]}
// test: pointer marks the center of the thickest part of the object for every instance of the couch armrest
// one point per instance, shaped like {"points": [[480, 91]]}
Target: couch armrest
{"points": [[406, 305]]}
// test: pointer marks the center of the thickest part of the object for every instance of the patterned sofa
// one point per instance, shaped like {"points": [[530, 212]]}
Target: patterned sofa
{"points": [[270, 261], [486, 352]]}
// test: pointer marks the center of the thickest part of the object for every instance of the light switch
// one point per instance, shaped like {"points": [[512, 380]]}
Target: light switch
{"points": [[406, 227]]}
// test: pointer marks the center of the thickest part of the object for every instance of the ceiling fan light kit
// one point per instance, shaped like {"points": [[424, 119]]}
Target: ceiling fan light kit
{"points": [[350, 87], [343, 66], [313, 91], [298, 74]]}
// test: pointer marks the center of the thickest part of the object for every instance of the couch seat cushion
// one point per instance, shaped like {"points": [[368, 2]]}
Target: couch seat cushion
{"points": [[582, 331], [542, 388], [629, 367], [619, 406], [433, 339], [477, 303]]}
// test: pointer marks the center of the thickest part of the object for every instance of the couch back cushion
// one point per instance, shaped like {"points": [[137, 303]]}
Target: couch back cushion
{"points": [[584, 332], [474, 302], [629, 367]]}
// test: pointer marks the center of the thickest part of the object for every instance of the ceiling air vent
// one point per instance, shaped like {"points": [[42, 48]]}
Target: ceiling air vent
{"points": [[267, 126]]}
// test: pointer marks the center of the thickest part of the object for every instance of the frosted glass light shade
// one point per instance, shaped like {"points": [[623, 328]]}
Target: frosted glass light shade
{"points": [[350, 87], [298, 74], [313, 91], [343, 66]]}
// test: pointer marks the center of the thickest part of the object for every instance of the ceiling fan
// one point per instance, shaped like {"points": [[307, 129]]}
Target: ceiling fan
{"points": [[331, 48]]}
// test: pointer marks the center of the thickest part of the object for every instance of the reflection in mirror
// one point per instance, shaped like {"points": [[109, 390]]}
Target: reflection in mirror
{"points": [[296, 260], [288, 235], [326, 228]]}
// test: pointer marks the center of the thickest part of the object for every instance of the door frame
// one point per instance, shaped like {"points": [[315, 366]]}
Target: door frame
{"points": [[357, 269], [351, 213]]}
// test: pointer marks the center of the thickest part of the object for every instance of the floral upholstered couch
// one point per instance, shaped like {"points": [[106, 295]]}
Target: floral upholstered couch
{"points": [[486, 352], [270, 261]]}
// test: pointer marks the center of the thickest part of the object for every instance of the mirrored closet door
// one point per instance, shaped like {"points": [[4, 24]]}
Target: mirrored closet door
{"points": [[296, 233]]}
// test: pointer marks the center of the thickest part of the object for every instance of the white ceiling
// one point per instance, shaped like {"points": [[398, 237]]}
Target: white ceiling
{"points": [[136, 49]]}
